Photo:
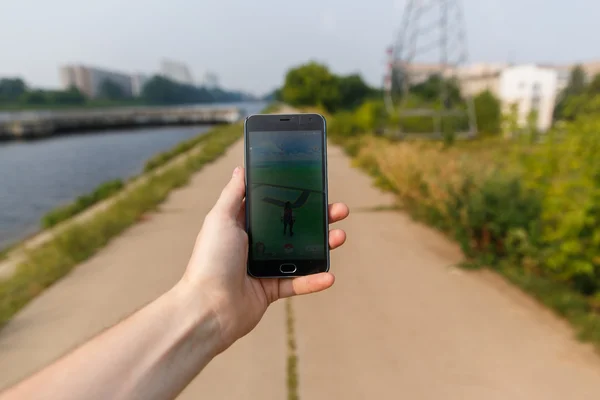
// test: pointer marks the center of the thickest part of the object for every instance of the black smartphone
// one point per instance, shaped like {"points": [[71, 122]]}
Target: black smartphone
{"points": [[286, 195]]}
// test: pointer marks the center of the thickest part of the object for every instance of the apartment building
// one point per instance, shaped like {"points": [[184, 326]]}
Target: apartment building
{"points": [[89, 80], [531, 88]]}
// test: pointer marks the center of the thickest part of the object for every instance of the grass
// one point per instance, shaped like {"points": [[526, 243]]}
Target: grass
{"points": [[54, 259], [4, 252], [292, 358], [566, 302], [161, 159], [60, 214]]}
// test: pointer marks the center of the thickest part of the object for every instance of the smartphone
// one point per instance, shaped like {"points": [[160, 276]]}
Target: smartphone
{"points": [[286, 195]]}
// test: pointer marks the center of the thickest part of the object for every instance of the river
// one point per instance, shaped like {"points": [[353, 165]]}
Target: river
{"points": [[37, 176]]}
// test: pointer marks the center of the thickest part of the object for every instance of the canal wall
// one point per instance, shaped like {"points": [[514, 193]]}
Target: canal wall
{"points": [[39, 124]]}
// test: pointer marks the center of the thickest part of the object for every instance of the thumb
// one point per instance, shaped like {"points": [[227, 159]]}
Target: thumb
{"points": [[232, 196]]}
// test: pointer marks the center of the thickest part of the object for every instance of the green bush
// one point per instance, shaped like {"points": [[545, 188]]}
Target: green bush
{"points": [[565, 168], [488, 112], [371, 116], [488, 214], [448, 124], [343, 125]]}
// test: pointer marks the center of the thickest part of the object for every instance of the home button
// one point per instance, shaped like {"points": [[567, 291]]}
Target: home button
{"points": [[287, 268]]}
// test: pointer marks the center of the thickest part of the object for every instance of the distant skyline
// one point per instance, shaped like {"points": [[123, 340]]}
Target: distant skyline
{"points": [[251, 45]]}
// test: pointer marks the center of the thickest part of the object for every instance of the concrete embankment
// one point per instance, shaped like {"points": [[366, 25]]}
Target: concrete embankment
{"points": [[36, 124]]}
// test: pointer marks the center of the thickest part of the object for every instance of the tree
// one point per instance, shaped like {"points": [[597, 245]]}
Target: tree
{"points": [[353, 91], [160, 90], [594, 86], [71, 96], [272, 96], [575, 87], [11, 89], [110, 90], [532, 125], [577, 81], [370, 116], [311, 85], [510, 121], [488, 112], [580, 102], [34, 97], [221, 95], [592, 106], [431, 90]]}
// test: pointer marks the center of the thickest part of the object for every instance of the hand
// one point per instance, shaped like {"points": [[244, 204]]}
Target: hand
{"points": [[217, 268]]}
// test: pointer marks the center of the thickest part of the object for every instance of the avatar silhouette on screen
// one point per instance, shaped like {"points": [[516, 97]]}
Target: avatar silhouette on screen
{"points": [[287, 217]]}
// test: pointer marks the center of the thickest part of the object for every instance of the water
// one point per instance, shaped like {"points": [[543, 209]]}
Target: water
{"points": [[38, 176]]}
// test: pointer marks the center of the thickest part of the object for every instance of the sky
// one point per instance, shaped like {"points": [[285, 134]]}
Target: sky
{"points": [[251, 44]]}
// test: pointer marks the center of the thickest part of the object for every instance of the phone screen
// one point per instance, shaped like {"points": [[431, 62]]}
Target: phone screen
{"points": [[286, 188]]}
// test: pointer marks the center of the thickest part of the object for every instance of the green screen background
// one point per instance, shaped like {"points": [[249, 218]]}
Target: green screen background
{"points": [[286, 166]]}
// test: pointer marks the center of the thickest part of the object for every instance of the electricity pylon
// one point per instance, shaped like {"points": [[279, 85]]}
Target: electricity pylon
{"points": [[431, 42]]}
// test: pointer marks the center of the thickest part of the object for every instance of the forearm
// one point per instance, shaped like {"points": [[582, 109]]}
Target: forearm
{"points": [[153, 354]]}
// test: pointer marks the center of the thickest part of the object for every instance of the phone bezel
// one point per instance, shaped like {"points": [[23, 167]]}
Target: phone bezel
{"points": [[287, 123]]}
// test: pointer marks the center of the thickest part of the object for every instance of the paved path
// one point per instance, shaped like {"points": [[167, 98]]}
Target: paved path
{"points": [[400, 323]]}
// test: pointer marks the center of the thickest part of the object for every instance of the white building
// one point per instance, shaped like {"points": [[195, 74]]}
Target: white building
{"points": [[137, 83], [89, 79], [472, 78], [176, 71], [479, 77], [531, 88], [77, 77]]}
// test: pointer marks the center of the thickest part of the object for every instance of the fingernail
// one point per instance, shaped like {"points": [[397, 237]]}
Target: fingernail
{"points": [[236, 171]]}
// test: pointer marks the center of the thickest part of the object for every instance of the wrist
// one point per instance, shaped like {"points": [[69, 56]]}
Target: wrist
{"points": [[198, 315]]}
